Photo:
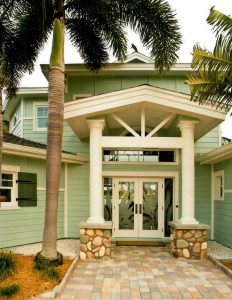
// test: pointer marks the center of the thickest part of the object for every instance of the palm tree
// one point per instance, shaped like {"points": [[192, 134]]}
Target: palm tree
{"points": [[7, 34], [93, 27], [212, 82]]}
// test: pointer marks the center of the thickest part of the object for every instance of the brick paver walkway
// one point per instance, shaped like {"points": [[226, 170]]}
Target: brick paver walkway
{"points": [[146, 273]]}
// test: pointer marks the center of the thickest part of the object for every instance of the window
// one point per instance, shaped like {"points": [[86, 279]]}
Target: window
{"points": [[18, 189], [219, 185], [8, 191], [146, 155], [41, 116]]}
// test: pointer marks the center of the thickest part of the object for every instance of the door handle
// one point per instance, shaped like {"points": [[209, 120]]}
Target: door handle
{"points": [[136, 208], [140, 209]]}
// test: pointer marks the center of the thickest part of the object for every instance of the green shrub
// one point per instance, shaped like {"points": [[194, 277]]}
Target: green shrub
{"points": [[9, 290], [7, 264], [52, 273], [47, 267]]}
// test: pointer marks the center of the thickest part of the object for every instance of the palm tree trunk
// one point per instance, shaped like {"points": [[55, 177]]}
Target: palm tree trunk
{"points": [[54, 140], [1, 131]]}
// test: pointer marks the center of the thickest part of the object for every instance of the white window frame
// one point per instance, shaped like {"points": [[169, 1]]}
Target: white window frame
{"points": [[8, 169], [35, 119], [218, 185]]}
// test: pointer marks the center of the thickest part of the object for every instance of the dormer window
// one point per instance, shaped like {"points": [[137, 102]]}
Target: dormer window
{"points": [[40, 117]]}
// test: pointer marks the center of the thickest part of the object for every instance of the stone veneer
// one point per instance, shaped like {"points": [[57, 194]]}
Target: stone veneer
{"points": [[189, 241], [95, 240]]}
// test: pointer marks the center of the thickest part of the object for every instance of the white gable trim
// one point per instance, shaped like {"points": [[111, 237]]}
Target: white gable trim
{"points": [[111, 101], [136, 55]]}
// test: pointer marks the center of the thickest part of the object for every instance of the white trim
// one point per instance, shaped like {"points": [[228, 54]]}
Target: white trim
{"points": [[125, 125], [160, 125], [9, 148], [35, 105], [43, 189], [143, 122], [65, 200], [76, 112], [119, 68], [217, 155], [227, 191], [139, 94], [136, 55], [22, 117], [11, 169], [32, 90], [156, 174], [138, 142], [81, 96], [216, 193], [138, 230]]}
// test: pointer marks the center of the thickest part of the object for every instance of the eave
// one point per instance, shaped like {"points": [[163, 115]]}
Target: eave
{"points": [[121, 68], [10, 105], [217, 155], [26, 151]]}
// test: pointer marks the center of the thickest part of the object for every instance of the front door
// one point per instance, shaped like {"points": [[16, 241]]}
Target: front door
{"points": [[138, 209]]}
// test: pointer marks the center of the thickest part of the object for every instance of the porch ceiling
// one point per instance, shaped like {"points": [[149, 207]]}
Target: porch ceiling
{"points": [[128, 105]]}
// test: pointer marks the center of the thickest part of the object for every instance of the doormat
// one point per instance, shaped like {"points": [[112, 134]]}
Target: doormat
{"points": [[140, 243]]}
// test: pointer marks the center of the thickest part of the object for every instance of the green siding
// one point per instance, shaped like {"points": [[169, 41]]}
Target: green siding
{"points": [[25, 225], [208, 142], [223, 209], [78, 197], [97, 84], [203, 194], [72, 143]]}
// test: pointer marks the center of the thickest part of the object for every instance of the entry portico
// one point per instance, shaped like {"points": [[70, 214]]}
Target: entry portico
{"points": [[142, 117]]}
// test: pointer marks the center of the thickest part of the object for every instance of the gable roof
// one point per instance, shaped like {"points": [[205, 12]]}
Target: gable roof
{"points": [[137, 57], [156, 101]]}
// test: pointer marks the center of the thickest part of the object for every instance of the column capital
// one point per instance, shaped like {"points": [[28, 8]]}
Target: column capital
{"points": [[187, 124], [99, 123]]}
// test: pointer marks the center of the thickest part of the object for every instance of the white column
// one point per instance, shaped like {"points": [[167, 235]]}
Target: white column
{"points": [[96, 199], [188, 173]]}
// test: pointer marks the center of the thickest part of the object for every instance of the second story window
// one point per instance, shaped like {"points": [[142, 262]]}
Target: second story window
{"points": [[41, 116]]}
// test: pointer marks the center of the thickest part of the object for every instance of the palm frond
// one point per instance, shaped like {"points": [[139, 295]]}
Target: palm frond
{"points": [[31, 33], [153, 20], [222, 24], [211, 88], [92, 47], [157, 26], [105, 18], [220, 60]]}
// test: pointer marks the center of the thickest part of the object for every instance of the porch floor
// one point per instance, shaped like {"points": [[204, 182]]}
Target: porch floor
{"points": [[146, 273]]}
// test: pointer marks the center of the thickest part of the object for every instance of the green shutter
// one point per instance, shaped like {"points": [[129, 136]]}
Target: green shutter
{"points": [[27, 189]]}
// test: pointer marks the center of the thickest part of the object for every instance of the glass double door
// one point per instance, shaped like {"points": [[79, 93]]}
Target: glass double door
{"points": [[138, 207]]}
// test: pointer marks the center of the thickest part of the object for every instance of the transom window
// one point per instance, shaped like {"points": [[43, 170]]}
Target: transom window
{"points": [[145, 155], [41, 117]]}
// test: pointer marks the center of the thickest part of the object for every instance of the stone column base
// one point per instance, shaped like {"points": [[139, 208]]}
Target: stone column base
{"points": [[189, 241], [95, 240]]}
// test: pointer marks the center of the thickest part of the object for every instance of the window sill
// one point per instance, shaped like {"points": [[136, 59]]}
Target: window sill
{"points": [[9, 207]]}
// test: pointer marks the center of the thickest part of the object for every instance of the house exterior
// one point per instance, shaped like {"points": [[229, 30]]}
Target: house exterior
{"points": [[137, 154]]}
